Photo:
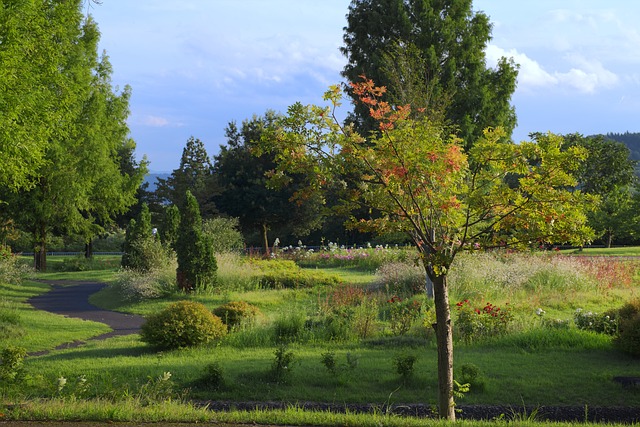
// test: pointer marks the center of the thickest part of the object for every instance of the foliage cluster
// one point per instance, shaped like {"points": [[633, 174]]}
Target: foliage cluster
{"points": [[11, 269], [158, 282], [236, 314], [11, 363], [604, 323], [286, 274], [475, 323], [182, 324], [628, 338]]}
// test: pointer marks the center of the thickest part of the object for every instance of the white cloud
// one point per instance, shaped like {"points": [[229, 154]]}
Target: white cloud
{"points": [[155, 121], [585, 76]]}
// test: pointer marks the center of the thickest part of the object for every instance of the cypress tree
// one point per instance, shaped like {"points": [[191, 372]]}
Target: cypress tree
{"points": [[197, 265]]}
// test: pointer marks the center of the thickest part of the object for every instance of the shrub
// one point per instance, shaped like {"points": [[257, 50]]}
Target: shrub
{"points": [[470, 374], [487, 321], [628, 338], [213, 377], [11, 359], [403, 313], [159, 282], [237, 273], [182, 324], [404, 365], [11, 269], [278, 274], [603, 323], [237, 313], [10, 325], [282, 364], [224, 234]]}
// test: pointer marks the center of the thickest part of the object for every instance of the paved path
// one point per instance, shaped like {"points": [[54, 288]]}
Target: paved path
{"points": [[72, 300]]}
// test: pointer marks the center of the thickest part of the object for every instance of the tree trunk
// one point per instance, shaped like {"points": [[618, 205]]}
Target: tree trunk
{"points": [[40, 249], [265, 239], [88, 249], [444, 339], [609, 238]]}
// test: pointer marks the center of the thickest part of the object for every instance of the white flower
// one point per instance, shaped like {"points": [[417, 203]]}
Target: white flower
{"points": [[540, 312]]}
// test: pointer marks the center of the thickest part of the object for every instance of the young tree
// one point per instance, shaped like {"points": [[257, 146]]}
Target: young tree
{"points": [[432, 49], [197, 265], [446, 200]]}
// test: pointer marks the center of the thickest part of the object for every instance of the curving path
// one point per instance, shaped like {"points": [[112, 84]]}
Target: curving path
{"points": [[72, 300]]}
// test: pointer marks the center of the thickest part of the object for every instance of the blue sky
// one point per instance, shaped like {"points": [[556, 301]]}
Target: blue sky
{"points": [[196, 65]]}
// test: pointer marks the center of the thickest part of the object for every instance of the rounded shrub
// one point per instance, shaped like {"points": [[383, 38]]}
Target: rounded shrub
{"points": [[237, 313], [628, 338], [182, 324]]}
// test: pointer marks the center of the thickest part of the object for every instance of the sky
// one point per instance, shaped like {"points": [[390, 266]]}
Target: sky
{"points": [[196, 65]]}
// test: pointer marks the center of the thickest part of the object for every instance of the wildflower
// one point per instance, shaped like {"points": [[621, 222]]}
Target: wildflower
{"points": [[540, 312], [62, 381]]}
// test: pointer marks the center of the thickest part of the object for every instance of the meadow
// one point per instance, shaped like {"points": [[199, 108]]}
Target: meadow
{"points": [[339, 326]]}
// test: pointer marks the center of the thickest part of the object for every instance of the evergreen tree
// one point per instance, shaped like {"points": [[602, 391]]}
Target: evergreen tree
{"points": [[138, 232], [241, 176], [168, 230], [197, 265], [434, 50], [194, 174]]}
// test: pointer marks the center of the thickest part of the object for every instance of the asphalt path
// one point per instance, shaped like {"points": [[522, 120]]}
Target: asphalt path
{"points": [[71, 299]]}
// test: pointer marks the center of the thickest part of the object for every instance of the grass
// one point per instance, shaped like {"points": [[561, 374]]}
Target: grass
{"points": [[38, 330], [618, 251], [536, 365]]}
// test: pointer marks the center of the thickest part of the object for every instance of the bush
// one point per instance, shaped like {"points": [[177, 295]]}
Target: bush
{"points": [[487, 321], [278, 274], [604, 323], [404, 365], [159, 282], [182, 324], [11, 269], [11, 359], [224, 234], [470, 374], [237, 313], [628, 338]]}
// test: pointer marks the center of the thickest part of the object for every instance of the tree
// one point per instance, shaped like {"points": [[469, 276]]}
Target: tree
{"points": [[169, 226], [193, 174], [432, 49], [608, 173], [35, 38], [196, 260], [244, 194], [135, 241], [80, 184], [425, 185]]}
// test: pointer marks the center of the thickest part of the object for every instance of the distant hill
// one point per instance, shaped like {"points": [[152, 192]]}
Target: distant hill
{"points": [[151, 179], [631, 140]]}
